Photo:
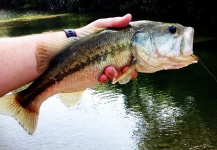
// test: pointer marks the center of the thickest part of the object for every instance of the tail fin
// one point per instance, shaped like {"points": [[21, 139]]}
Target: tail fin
{"points": [[27, 119]]}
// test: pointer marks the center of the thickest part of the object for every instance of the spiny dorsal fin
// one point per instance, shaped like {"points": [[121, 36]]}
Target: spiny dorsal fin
{"points": [[126, 77], [70, 99], [90, 31], [27, 119], [47, 50]]}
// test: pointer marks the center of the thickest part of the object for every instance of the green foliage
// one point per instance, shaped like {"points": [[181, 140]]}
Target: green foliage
{"points": [[196, 8], [18, 4]]}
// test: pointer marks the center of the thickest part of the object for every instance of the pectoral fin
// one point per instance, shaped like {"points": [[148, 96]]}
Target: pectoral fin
{"points": [[70, 99], [126, 77]]}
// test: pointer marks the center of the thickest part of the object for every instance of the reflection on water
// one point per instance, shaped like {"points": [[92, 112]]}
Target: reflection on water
{"points": [[175, 109], [15, 23], [92, 124], [165, 110]]}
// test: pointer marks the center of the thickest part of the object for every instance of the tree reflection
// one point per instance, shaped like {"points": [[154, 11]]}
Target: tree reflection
{"points": [[167, 111]]}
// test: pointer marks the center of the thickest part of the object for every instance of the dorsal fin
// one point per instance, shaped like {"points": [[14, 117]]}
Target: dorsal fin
{"points": [[90, 31], [46, 51]]}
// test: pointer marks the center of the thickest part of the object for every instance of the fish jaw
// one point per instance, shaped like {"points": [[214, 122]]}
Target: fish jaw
{"points": [[184, 48], [156, 63], [187, 42], [181, 61], [183, 44], [183, 51]]}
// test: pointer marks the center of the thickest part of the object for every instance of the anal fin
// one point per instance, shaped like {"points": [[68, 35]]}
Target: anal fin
{"points": [[88, 31], [70, 99]]}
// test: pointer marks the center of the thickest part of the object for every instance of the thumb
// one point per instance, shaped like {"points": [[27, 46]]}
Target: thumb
{"points": [[115, 22]]}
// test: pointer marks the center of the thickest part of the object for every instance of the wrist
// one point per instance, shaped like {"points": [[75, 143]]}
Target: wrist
{"points": [[70, 33]]}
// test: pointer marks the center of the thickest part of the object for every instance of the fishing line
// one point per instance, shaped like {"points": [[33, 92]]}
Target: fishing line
{"points": [[208, 70]]}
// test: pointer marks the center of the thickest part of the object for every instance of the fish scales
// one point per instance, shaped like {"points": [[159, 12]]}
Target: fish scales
{"points": [[85, 53], [72, 66]]}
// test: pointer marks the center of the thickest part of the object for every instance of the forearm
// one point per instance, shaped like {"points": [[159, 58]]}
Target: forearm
{"points": [[18, 65]]}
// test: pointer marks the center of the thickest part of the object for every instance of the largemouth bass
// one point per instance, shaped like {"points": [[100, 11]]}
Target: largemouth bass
{"points": [[74, 65]]}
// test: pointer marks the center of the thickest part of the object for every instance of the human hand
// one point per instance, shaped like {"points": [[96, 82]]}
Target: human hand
{"points": [[110, 73], [116, 22]]}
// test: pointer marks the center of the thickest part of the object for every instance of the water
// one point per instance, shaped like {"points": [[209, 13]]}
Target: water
{"points": [[168, 110]]}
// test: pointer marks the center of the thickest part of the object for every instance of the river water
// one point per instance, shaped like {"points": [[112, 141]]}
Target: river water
{"points": [[170, 110]]}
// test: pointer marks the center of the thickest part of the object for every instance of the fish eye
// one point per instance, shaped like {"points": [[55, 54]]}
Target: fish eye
{"points": [[138, 31], [172, 29]]}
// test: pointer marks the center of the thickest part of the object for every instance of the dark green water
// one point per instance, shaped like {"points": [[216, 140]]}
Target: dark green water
{"points": [[170, 110]]}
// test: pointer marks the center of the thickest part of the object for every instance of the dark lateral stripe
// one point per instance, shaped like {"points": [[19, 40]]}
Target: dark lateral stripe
{"points": [[28, 95], [40, 85], [94, 60], [25, 97]]}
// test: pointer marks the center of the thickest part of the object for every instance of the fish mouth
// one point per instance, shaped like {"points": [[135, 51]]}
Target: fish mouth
{"points": [[184, 43], [187, 41], [184, 51]]}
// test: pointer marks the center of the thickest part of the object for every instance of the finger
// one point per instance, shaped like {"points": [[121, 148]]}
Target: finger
{"points": [[125, 68], [115, 22], [103, 79], [111, 72], [135, 74]]}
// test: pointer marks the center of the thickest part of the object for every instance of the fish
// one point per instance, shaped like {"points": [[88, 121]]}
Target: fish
{"points": [[70, 66]]}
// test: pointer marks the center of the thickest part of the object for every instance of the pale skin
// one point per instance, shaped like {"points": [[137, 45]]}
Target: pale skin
{"points": [[18, 65]]}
